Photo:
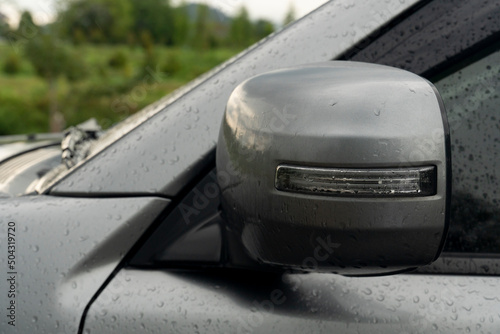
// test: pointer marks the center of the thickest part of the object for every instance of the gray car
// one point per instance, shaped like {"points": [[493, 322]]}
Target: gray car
{"points": [[339, 176]]}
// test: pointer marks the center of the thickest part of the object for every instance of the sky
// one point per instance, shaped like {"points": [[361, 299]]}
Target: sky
{"points": [[274, 10]]}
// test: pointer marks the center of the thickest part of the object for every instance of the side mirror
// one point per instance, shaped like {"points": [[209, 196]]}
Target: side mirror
{"points": [[336, 167]]}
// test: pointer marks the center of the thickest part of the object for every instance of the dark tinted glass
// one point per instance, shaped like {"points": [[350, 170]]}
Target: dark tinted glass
{"points": [[472, 99], [455, 44]]}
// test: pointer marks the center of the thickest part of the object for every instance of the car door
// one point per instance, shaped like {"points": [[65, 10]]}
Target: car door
{"points": [[453, 44]]}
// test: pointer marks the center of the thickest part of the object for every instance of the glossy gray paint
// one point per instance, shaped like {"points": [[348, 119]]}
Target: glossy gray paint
{"points": [[66, 248], [169, 302], [334, 114], [164, 150]]}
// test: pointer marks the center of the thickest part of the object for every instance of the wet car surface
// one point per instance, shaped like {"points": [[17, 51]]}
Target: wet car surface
{"points": [[78, 231]]}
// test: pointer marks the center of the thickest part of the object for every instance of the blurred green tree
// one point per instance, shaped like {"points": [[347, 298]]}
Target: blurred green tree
{"points": [[202, 28], [241, 30], [263, 28], [100, 21], [181, 24], [12, 64], [27, 27], [146, 40], [4, 25], [52, 60], [155, 16], [290, 15], [26, 30]]}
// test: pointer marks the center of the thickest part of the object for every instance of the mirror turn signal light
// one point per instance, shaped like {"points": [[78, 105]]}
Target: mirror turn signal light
{"points": [[349, 182]]}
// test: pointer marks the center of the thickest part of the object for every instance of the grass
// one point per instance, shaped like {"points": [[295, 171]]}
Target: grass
{"points": [[115, 75]]}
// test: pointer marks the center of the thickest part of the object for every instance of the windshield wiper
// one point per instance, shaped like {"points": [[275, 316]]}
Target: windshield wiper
{"points": [[78, 141]]}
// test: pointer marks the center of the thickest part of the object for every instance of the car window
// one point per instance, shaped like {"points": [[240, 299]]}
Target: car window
{"points": [[455, 45], [472, 99]]}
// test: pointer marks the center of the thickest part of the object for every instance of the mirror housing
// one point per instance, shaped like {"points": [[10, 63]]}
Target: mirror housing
{"points": [[336, 167]]}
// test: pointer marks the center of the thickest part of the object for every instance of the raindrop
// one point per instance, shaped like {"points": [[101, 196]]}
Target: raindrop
{"points": [[376, 112], [174, 161]]}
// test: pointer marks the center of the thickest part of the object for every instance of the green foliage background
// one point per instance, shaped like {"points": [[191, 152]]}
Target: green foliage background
{"points": [[109, 58]]}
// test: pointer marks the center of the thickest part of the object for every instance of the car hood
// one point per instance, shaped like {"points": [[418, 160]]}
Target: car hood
{"points": [[23, 162]]}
